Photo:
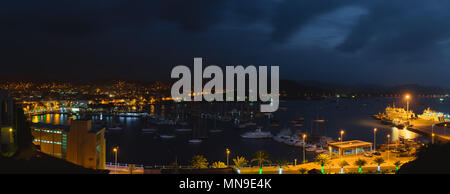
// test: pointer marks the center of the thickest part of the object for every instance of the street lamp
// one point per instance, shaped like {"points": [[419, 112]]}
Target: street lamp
{"points": [[374, 139], [388, 139], [432, 134], [342, 133], [432, 138], [228, 156], [115, 150], [304, 145], [407, 105]]}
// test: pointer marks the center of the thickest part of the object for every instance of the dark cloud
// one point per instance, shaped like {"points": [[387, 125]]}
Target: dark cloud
{"points": [[309, 39]]}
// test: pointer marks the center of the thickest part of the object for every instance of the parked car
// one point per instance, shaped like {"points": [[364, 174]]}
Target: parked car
{"points": [[367, 154]]}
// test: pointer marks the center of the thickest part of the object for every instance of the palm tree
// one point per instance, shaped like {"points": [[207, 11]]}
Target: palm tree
{"points": [[379, 161], [199, 161], [281, 164], [261, 157], [303, 170], [397, 164], [240, 162], [322, 160], [218, 165], [360, 163], [131, 168], [342, 164]]}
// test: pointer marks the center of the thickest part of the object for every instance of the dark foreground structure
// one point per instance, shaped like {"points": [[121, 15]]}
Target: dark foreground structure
{"points": [[433, 159]]}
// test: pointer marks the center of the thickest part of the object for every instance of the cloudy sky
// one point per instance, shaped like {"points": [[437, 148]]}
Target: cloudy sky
{"points": [[345, 41]]}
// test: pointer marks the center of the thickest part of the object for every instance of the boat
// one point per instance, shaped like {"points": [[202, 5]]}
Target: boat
{"points": [[257, 134], [183, 130], [283, 136], [148, 130], [167, 136], [310, 148], [183, 123], [195, 141], [115, 128]]}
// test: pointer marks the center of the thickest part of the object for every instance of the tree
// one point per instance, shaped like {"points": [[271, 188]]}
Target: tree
{"points": [[342, 164], [360, 163], [379, 161], [397, 164], [281, 164], [218, 165], [199, 161], [303, 170], [240, 162], [131, 168], [322, 160], [261, 157]]}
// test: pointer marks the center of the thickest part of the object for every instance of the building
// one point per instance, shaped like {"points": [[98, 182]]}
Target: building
{"points": [[353, 147], [8, 123], [78, 143]]}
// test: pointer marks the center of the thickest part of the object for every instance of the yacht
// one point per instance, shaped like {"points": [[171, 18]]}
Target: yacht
{"points": [[257, 134], [166, 136], [195, 141], [310, 148], [148, 130], [283, 136], [183, 130]]}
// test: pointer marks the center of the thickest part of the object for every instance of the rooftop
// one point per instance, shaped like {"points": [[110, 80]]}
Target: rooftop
{"points": [[350, 144]]}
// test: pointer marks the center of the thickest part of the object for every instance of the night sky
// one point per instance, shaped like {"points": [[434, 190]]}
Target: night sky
{"points": [[373, 42]]}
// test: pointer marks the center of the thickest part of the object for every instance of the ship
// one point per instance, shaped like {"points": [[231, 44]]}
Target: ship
{"points": [[257, 134]]}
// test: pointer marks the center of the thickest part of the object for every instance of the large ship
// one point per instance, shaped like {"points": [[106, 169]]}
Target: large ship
{"points": [[257, 134]]}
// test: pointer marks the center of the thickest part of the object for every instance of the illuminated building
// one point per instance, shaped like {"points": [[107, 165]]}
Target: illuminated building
{"points": [[78, 143], [7, 121], [350, 147]]}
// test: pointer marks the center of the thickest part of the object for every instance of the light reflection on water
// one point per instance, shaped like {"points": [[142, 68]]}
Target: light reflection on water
{"points": [[354, 116]]}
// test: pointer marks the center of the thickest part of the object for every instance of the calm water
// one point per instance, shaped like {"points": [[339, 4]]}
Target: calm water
{"points": [[353, 116]]}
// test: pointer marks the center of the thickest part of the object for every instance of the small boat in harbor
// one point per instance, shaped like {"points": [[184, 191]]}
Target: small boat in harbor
{"points": [[115, 128], [166, 136], [195, 141], [148, 130], [183, 130], [310, 148], [257, 134]]}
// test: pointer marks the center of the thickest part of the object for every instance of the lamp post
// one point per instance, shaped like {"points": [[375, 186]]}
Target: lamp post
{"points": [[374, 139], [342, 133], [388, 139], [228, 156], [432, 134], [432, 138], [407, 105], [304, 145], [115, 150]]}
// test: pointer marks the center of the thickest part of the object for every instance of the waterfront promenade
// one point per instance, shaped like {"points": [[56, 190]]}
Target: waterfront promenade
{"points": [[334, 168], [425, 127]]}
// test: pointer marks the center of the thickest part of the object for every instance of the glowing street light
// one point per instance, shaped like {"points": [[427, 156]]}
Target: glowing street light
{"points": [[228, 156], [432, 134], [374, 139], [304, 145], [388, 139], [407, 97], [342, 133], [115, 150], [432, 138]]}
